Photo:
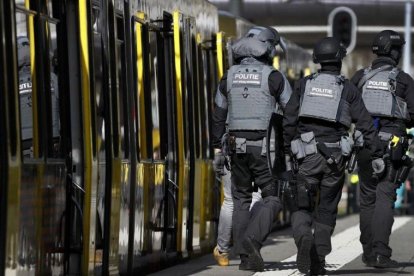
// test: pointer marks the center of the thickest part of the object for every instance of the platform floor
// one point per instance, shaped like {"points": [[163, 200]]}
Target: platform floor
{"points": [[279, 254]]}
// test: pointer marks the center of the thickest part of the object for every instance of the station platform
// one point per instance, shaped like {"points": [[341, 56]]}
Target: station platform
{"points": [[279, 254]]}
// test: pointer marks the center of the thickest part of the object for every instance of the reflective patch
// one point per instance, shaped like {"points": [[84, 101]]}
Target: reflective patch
{"points": [[377, 85], [321, 92], [25, 88], [252, 79]]}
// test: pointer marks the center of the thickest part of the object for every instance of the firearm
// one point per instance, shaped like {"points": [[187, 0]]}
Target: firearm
{"points": [[358, 144]]}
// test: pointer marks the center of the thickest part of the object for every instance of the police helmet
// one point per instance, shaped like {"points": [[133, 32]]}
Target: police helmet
{"points": [[387, 40], [267, 35], [328, 50], [23, 51]]}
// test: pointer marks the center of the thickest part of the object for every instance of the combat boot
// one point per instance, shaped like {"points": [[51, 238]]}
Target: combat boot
{"points": [[253, 261], [303, 258], [368, 259], [384, 262]]}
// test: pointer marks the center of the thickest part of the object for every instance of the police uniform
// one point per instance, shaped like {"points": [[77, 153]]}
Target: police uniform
{"points": [[25, 92], [247, 96], [393, 111], [315, 128]]}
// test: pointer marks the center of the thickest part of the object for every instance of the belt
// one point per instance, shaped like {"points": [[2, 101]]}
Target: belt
{"points": [[333, 145], [258, 143], [385, 136]]}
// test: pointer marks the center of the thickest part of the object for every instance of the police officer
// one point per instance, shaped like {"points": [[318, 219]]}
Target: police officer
{"points": [[25, 91], [316, 123], [388, 94], [249, 93]]}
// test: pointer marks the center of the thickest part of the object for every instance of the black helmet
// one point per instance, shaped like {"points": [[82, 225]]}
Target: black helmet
{"points": [[328, 50], [267, 35], [387, 40], [23, 51]]}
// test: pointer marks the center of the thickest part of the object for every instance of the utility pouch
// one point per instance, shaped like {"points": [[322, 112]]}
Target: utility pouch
{"points": [[402, 173], [264, 147], [347, 143], [298, 150], [398, 147], [241, 145], [309, 143], [304, 146]]}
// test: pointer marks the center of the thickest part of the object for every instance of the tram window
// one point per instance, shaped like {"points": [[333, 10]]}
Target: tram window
{"points": [[155, 104], [96, 22], [122, 88], [139, 82], [54, 89], [119, 5], [25, 82]]}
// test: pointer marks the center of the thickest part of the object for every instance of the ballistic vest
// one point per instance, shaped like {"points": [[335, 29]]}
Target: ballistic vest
{"points": [[322, 99], [26, 113], [250, 104], [378, 93]]}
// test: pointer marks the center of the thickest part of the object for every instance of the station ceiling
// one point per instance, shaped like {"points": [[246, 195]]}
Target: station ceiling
{"points": [[291, 16]]}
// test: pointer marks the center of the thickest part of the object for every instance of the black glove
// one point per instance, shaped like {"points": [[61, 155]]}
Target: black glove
{"points": [[218, 163]]}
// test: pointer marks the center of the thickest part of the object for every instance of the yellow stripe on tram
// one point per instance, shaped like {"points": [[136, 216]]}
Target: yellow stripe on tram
{"points": [[89, 163], [34, 82], [220, 60], [180, 126], [140, 85]]}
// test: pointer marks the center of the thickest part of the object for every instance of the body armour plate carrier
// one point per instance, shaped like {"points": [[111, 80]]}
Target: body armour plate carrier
{"points": [[378, 93], [26, 113], [322, 99], [250, 103]]}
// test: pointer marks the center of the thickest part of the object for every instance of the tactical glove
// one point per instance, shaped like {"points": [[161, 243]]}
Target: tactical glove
{"points": [[218, 163], [378, 166]]}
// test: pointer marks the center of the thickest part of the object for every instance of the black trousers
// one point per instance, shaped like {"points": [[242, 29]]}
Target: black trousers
{"points": [[377, 208], [247, 168], [324, 180]]}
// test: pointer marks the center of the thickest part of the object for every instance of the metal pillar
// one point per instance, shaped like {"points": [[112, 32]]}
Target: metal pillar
{"points": [[236, 7], [407, 34]]}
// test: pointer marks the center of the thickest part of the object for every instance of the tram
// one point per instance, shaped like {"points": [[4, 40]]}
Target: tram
{"points": [[106, 161]]}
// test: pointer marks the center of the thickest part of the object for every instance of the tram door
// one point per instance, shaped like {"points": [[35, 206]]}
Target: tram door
{"points": [[155, 190], [102, 120], [41, 218]]}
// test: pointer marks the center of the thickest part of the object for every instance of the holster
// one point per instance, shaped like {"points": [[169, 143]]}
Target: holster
{"points": [[271, 190], [290, 195]]}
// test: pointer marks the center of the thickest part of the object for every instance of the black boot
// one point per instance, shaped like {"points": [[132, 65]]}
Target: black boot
{"points": [[317, 263], [254, 261], [368, 259], [303, 259], [384, 262]]}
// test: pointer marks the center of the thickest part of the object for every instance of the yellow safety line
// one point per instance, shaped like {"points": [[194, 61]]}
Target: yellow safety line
{"points": [[180, 127], [88, 214], [142, 132]]}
